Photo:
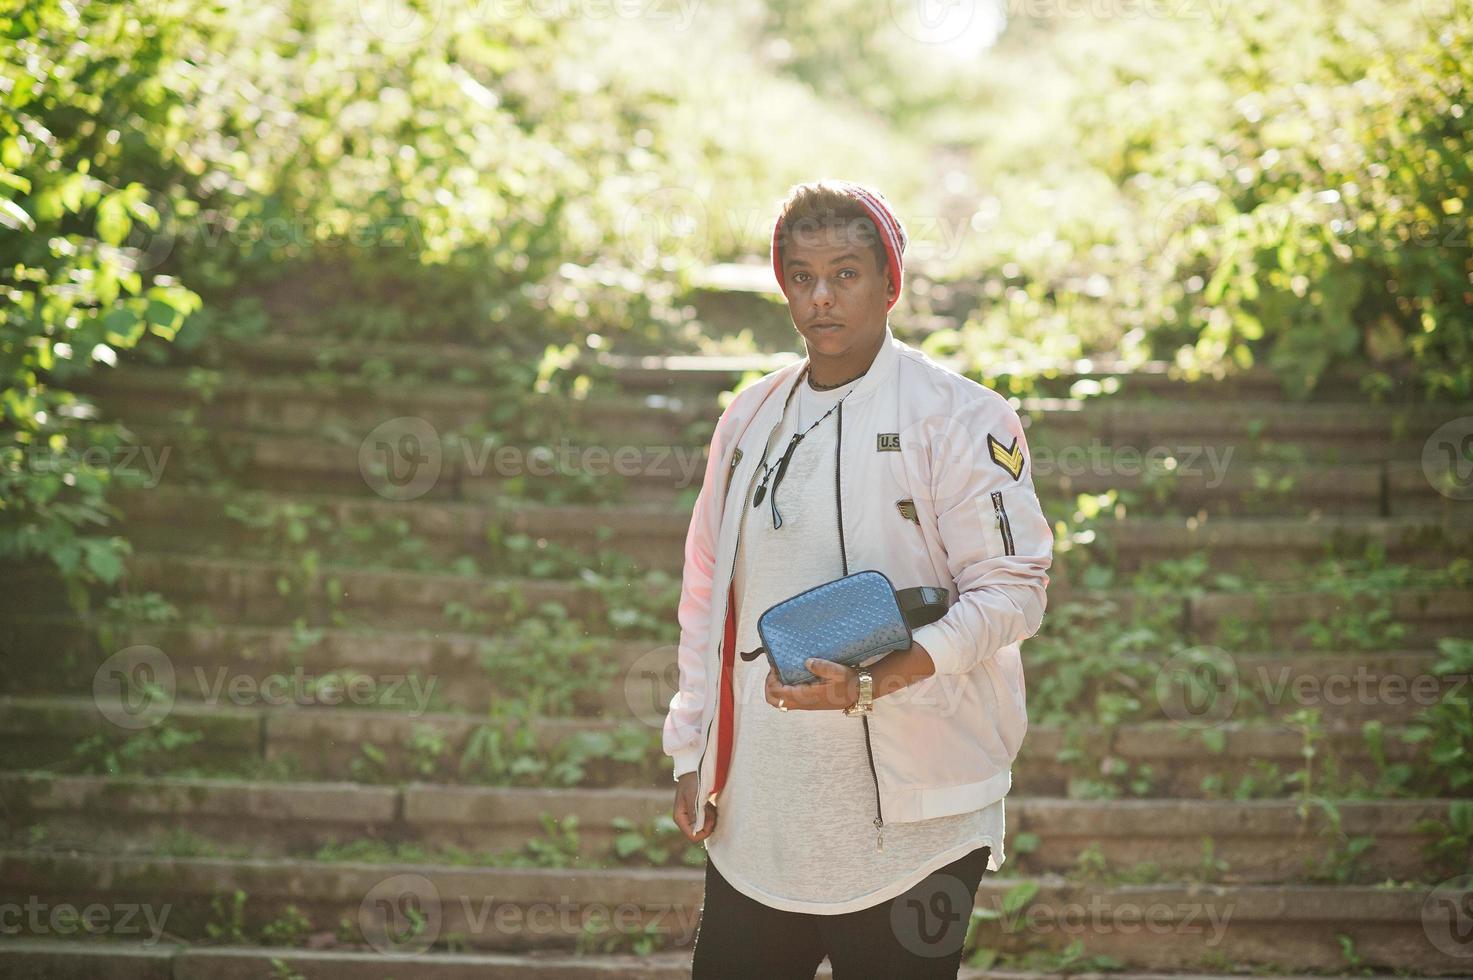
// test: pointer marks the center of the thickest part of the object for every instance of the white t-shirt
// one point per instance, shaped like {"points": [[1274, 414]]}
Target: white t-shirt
{"points": [[801, 836]]}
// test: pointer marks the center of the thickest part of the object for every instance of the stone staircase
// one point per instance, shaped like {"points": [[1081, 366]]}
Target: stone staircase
{"points": [[350, 720]]}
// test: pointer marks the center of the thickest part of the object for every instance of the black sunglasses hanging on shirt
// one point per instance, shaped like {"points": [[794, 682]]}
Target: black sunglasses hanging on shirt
{"points": [[776, 472]]}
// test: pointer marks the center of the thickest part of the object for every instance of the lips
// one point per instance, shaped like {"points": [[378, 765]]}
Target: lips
{"points": [[826, 325]]}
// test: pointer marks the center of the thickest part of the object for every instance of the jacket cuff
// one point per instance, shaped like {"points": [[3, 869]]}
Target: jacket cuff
{"points": [[686, 760], [944, 654]]}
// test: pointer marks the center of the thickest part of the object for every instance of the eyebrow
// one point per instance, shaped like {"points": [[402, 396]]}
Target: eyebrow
{"points": [[846, 257]]}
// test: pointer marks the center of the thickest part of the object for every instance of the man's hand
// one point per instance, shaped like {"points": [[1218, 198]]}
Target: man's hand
{"points": [[837, 688], [685, 810]]}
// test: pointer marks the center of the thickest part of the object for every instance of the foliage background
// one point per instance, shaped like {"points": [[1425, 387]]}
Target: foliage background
{"points": [[1221, 185]]}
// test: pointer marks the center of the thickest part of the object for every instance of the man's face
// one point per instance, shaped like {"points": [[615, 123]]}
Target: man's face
{"points": [[838, 294]]}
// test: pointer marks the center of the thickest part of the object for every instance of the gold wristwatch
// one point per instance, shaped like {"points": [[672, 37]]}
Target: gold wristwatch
{"points": [[866, 701]]}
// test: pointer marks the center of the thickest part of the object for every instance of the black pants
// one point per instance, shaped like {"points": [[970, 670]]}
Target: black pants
{"points": [[918, 934]]}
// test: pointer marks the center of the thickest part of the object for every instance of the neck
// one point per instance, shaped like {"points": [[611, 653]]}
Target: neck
{"points": [[832, 372]]}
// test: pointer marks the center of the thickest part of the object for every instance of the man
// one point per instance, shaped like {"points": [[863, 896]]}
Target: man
{"points": [[853, 817]]}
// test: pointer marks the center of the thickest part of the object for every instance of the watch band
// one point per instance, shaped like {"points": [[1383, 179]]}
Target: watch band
{"points": [[866, 700]]}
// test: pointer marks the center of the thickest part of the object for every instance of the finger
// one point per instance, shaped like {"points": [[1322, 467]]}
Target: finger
{"points": [[709, 827], [827, 669]]}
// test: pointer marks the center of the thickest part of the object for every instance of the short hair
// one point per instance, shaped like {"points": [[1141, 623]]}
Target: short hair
{"points": [[820, 205]]}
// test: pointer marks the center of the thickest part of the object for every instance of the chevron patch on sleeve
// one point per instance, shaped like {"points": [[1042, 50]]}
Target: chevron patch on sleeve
{"points": [[1010, 458]]}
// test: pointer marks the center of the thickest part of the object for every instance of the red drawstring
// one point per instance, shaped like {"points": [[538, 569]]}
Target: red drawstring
{"points": [[724, 712]]}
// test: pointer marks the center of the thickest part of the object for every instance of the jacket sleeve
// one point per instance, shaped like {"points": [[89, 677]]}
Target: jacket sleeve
{"points": [[682, 730], [998, 543]]}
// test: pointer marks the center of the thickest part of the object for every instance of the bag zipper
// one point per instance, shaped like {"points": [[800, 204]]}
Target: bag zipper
{"points": [[844, 558]]}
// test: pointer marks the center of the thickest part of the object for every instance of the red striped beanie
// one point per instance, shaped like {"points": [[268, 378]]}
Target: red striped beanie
{"points": [[892, 233]]}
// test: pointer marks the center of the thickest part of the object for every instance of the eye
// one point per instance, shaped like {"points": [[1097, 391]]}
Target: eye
{"points": [[798, 276]]}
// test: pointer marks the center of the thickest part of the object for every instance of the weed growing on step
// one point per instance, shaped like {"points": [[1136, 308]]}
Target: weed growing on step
{"points": [[280, 971], [1449, 848], [656, 843], [1340, 863], [151, 751], [227, 922], [290, 928], [596, 937], [549, 663], [558, 847]]}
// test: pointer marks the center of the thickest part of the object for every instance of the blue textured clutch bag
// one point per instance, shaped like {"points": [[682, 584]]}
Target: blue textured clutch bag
{"points": [[848, 621]]}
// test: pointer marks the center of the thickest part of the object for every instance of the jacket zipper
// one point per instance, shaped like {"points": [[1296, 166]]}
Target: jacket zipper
{"points": [[1004, 526], [844, 558]]}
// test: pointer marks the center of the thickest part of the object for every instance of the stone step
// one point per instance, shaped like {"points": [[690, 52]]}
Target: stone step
{"points": [[624, 678], [114, 960], [655, 537], [1220, 841], [644, 472], [1158, 760], [1291, 927], [249, 591], [264, 592], [1058, 427], [714, 373], [150, 396]]}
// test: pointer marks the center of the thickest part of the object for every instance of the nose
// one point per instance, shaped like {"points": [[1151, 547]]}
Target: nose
{"points": [[822, 295]]}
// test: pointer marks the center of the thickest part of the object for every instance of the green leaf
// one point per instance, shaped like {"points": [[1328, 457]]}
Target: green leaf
{"points": [[113, 223], [103, 559], [14, 217]]}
